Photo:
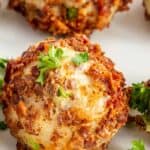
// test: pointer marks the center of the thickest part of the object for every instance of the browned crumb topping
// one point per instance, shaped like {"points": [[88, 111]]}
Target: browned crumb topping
{"points": [[65, 16], [91, 105]]}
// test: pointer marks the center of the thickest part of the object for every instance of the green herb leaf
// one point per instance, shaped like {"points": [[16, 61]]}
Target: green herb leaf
{"points": [[140, 98], [1, 83], [49, 61], [62, 93], [41, 77], [3, 62], [140, 101], [3, 125], [33, 144], [80, 58], [1, 105], [72, 13], [138, 145]]}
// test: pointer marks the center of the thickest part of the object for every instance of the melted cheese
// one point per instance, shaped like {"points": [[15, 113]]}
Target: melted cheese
{"points": [[87, 96], [79, 75]]}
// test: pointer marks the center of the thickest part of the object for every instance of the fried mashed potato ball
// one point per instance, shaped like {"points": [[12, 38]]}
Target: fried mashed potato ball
{"points": [[69, 16], [64, 95]]}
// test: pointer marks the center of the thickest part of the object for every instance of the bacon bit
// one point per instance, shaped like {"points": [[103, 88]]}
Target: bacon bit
{"points": [[21, 109]]}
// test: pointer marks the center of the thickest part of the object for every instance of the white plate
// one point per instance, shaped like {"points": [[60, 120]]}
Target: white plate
{"points": [[126, 41]]}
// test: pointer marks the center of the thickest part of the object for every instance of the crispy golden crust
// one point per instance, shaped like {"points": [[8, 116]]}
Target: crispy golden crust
{"points": [[51, 16], [23, 147], [32, 112]]}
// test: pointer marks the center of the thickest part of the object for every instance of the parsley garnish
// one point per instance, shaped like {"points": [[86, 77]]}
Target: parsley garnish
{"points": [[3, 125], [62, 93], [138, 145], [80, 58], [140, 97], [33, 144], [3, 63], [72, 13], [1, 83], [49, 61], [140, 100]]}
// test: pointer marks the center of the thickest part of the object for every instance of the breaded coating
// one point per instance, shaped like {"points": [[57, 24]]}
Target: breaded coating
{"points": [[61, 17], [147, 8], [79, 104]]}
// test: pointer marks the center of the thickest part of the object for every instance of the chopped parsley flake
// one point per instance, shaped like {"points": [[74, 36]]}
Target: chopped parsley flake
{"points": [[49, 61], [140, 97], [140, 100], [80, 58], [33, 144], [62, 93], [3, 125], [138, 145], [72, 13], [1, 83], [3, 63]]}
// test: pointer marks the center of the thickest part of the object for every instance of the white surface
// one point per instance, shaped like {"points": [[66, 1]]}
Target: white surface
{"points": [[127, 42]]}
